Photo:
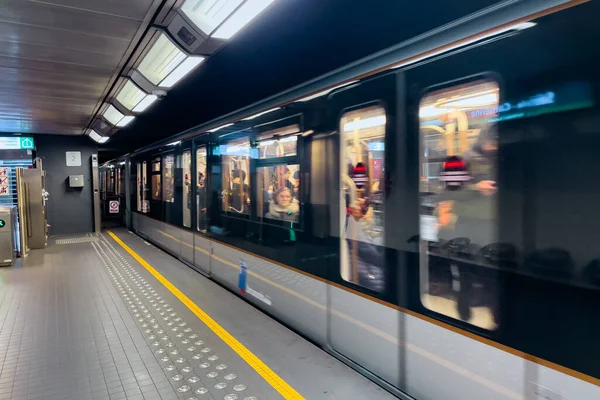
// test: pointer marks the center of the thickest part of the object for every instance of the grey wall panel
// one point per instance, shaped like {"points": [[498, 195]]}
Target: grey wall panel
{"points": [[69, 210], [202, 250], [294, 298], [460, 366], [187, 245], [366, 332]]}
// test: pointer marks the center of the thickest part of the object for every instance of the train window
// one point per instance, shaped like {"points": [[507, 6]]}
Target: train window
{"points": [[236, 177], [145, 202], [186, 170], [279, 192], [458, 194], [156, 187], [279, 142], [168, 173], [138, 168], [201, 198], [362, 156]]}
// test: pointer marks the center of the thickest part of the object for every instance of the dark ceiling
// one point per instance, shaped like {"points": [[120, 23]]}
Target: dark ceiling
{"points": [[292, 42]]}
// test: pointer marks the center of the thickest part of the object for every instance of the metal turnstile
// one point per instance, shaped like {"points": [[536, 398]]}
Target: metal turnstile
{"points": [[8, 235]]}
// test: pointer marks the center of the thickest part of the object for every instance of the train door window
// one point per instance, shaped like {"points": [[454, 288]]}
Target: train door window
{"points": [[362, 156], [279, 142], [458, 201], [279, 192], [168, 173], [201, 197], [138, 185], [235, 157], [144, 186], [156, 187], [186, 170]]}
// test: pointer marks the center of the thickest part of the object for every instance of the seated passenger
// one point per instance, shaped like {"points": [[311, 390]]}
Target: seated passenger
{"points": [[283, 207]]}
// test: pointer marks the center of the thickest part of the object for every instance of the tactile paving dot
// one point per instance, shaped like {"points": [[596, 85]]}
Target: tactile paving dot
{"points": [[169, 368], [239, 388], [183, 389], [193, 379], [212, 374], [205, 350], [230, 377], [186, 369], [204, 365], [231, 396], [180, 360], [221, 367], [197, 356], [201, 390], [177, 377], [221, 385], [250, 398], [213, 358]]}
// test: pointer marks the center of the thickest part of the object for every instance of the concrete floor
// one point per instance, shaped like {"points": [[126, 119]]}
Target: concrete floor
{"points": [[82, 319]]}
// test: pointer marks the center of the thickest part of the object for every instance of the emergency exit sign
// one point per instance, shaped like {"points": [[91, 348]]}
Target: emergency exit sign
{"points": [[17, 143]]}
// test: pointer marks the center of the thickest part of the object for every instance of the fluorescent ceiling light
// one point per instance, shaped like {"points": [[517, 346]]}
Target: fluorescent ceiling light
{"points": [[516, 27], [209, 14], [174, 143], [162, 58], [130, 95], [432, 111], [112, 115], [261, 113], [94, 135], [144, 104], [122, 163], [219, 127], [103, 139], [241, 17], [470, 101], [366, 123], [125, 121], [181, 71], [289, 139], [324, 92]]}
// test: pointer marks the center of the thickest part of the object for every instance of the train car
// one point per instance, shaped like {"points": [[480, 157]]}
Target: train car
{"points": [[427, 216]]}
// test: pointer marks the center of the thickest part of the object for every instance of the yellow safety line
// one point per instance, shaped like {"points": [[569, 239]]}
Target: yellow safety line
{"points": [[260, 367]]}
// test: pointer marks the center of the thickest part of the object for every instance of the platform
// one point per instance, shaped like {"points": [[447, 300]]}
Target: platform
{"points": [[113, 317]]}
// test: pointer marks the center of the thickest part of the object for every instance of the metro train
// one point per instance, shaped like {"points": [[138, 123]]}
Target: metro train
{"points": [[429, 217]]}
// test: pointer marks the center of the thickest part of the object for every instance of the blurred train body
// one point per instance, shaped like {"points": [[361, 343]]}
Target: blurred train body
{"points": [[434, 224]]}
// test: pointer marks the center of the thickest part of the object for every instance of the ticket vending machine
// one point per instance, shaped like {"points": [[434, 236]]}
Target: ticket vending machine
{"points": [[8, 235]]}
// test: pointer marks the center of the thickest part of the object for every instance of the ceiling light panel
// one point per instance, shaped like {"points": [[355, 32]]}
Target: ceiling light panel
{"points": [[130, 95], [95, 136], [144, 104], [209, 14], [246, 13], [162, 58], [181, 71], [112, 115]]}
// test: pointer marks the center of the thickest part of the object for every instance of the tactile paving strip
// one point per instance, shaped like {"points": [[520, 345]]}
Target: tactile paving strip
{"points": [[192, 366], [74, 240]]}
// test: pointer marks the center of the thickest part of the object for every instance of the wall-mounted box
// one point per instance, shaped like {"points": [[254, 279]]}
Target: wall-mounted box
{"points": [[76, 181]]}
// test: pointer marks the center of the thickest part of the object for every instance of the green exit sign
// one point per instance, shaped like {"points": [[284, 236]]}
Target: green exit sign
{"points": [[17, 143]]}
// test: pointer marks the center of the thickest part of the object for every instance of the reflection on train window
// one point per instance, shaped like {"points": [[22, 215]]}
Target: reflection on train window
{"points": [[279, 142], [156, 189], [186, 169], [145, 202], [279, 192], [201, 198], [362, 135], [156, 165], [236, 177], [168, 173], [458, 191], [138, 186]]}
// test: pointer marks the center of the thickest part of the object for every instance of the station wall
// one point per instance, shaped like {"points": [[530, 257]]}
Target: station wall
{"points": [[69, 210]]}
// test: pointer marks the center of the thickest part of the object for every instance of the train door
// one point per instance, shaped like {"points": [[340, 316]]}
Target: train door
{"points": [[363, 218], [200, 182], [187, 201]]}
